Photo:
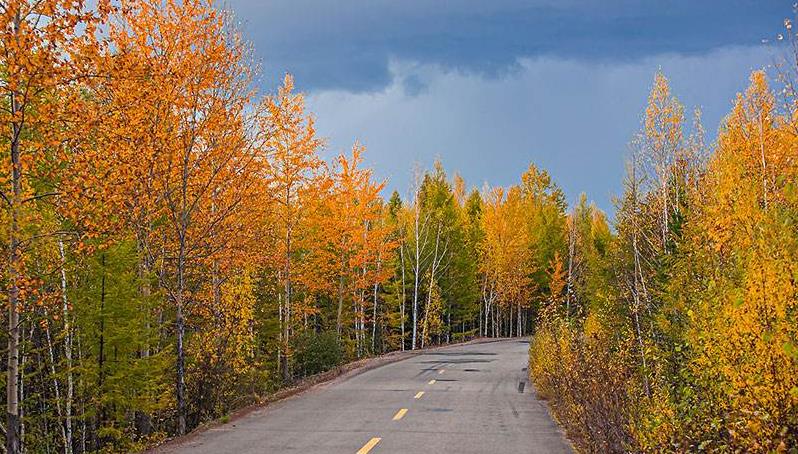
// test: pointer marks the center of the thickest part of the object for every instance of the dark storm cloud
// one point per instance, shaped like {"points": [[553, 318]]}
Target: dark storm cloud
{"points": [[490, 86], [348, 44]]}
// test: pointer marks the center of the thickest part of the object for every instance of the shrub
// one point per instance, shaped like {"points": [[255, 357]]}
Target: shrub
{"points": [[316, 352], [585, 384]]}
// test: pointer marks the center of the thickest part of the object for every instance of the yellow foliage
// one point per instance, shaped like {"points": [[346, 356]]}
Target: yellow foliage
{"points": [[697, 342], [229, 337], [744, 320]]}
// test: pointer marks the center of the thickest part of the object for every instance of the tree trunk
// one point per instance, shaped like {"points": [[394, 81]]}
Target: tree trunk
{"points": [[280, 330], [481, 309], [285, 371], [402, 310], [479, 319], [571, 256], [637, 283], [374, 321], [511, 322], [374, 314], [21, 396], [435, 262], [83, 417], [56, 386], [449, 325], [339, 322], [417, 271], [764, 162], [180, 391], [181, 384], [12, 274], [665, 216], [101, 352], [143, 423], [67, 353], [488, 303]]}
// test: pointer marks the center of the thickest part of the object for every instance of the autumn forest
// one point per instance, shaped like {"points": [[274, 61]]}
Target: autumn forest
{"points": [[176, 247]]}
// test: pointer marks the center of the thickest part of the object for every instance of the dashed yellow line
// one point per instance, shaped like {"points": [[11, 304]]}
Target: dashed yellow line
{"points": [[400, 414], [418, 395], [369, 445], [432, 382]]}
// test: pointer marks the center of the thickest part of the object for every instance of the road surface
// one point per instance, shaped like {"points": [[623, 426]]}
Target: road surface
{"points": [[472, 398]]}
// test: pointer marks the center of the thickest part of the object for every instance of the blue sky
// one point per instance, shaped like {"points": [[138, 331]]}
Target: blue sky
{"points": [[490, 86]]}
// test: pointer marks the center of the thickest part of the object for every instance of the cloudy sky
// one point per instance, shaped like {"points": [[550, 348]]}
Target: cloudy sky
{"points": [[490, 86]]}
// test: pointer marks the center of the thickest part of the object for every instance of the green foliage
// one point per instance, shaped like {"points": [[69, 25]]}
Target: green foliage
{"points": [[120, 367], [316, 352]]}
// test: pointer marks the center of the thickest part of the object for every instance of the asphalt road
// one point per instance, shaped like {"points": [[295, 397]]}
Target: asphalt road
{"points": [[471, 398]]}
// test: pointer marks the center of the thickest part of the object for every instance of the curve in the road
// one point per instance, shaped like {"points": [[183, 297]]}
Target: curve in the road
{"points": [[470, 398]]}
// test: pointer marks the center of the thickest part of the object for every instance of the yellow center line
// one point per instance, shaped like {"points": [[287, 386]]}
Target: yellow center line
{"points": [[442, 371], [399, 414], [369, 446], [418, 395], [432, 382]]}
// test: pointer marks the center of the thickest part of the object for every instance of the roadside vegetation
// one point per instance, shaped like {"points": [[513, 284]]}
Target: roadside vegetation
{"points": [[676, 330], [176, 247]]}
